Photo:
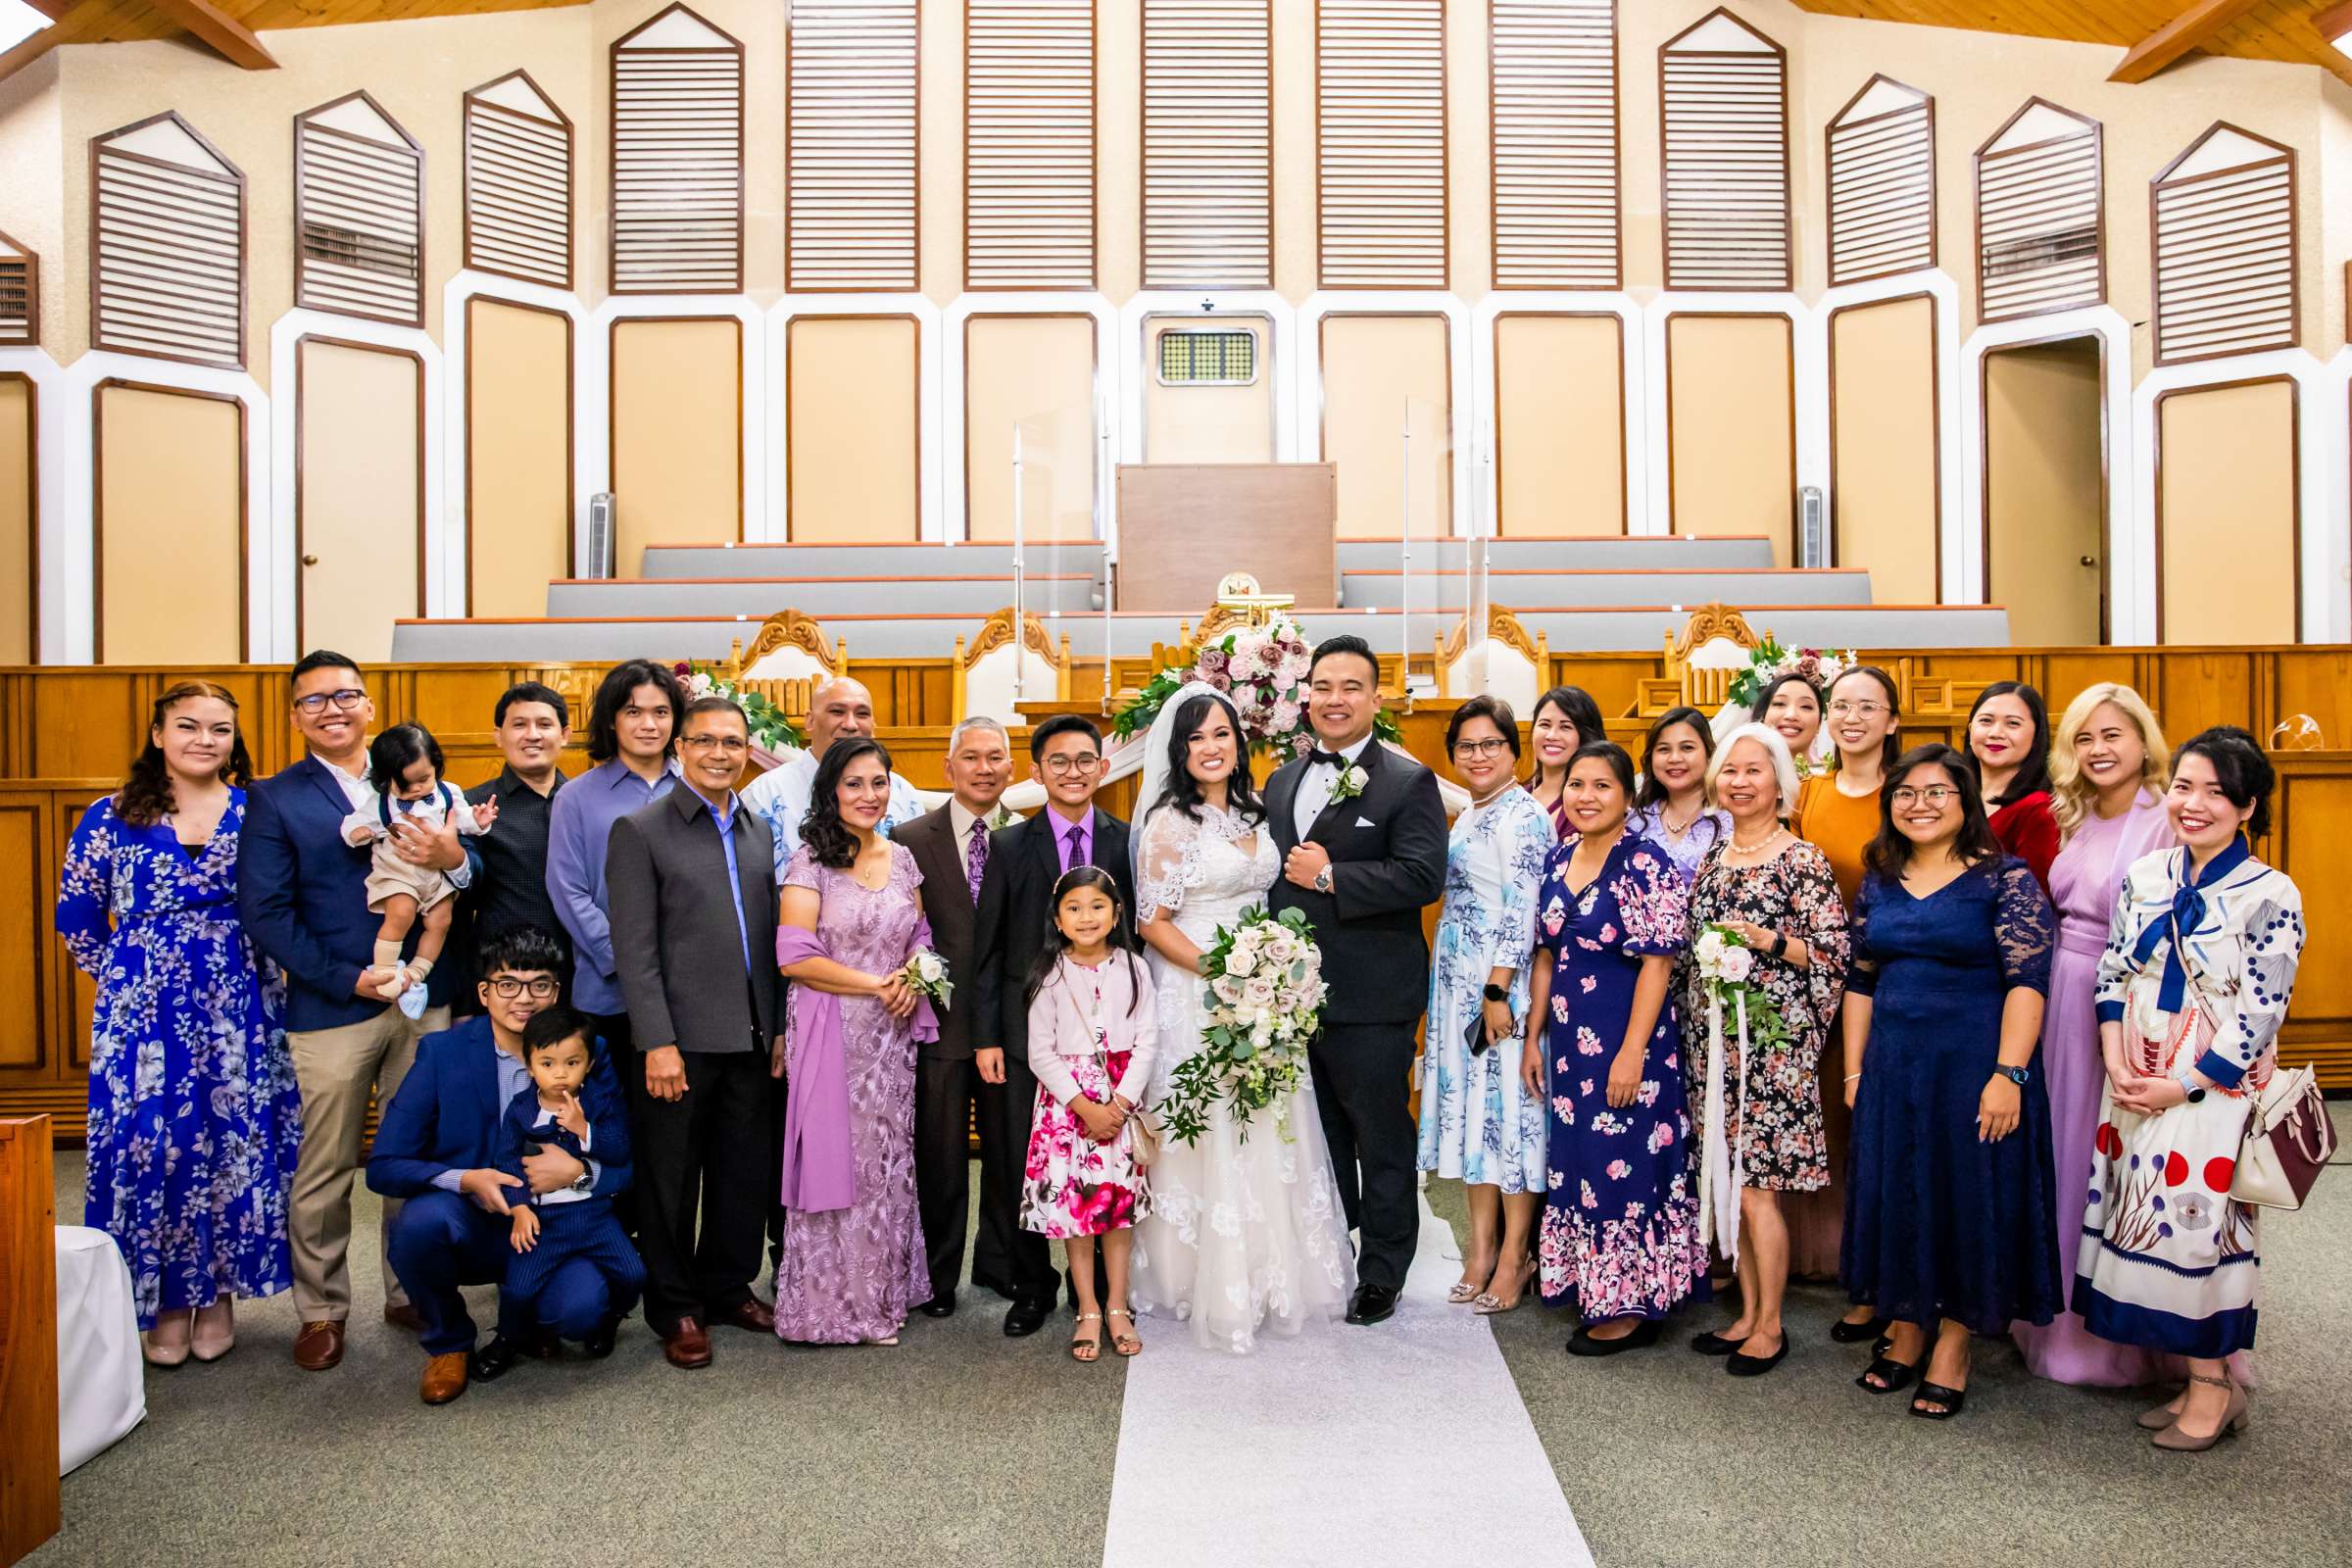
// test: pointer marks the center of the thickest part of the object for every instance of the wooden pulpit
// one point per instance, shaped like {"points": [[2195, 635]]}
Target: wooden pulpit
{"points": [[1184, 525]]}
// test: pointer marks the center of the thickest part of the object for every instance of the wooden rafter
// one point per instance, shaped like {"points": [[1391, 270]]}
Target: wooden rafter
{"points": [[224, 34], [2200, 21]]}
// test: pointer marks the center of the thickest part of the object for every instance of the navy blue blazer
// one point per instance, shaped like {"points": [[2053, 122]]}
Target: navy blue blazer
{"points": [[608, 1129], [448, 1112], [302, 894]]}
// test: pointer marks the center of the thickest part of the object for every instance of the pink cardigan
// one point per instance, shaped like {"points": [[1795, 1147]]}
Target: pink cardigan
{"points": [[1058, 1030]]}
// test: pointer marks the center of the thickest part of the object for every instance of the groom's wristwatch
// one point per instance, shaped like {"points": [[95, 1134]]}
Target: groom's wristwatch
{"points": [[1323, 879]]}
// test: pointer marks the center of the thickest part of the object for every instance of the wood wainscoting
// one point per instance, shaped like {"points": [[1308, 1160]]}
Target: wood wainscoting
{"points": [[67, 734]]}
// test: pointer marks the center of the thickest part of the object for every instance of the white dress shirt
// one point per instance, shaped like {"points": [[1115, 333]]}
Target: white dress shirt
{"points": [[960, 818], [361, 795], [1314, 789]]}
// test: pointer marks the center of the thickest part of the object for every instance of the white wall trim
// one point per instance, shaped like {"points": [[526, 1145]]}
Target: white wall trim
{"points": [[63, 639], [1460, 387], [1634, 393], [1110, 357], [930, 423], [2327, 449], [1139, 310], [592, 399], [1952, 493], [1808, 351]]}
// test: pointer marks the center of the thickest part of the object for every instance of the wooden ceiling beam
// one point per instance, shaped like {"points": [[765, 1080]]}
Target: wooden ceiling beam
{"points": [[27, 52], [2194, 26], [222, 33]]}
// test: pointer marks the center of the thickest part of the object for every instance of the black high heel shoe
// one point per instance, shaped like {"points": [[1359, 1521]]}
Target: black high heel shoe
{"points": [[1894, 1376], [1952, 1400], [1845, 1332]]}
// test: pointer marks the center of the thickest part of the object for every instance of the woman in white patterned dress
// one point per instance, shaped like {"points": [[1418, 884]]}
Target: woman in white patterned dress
{"points": [[1244, 1235]]}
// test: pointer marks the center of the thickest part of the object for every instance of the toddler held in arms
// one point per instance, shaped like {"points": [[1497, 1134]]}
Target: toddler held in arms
{"points": [[404, 770], [561, 1109], [1094, 1025]]}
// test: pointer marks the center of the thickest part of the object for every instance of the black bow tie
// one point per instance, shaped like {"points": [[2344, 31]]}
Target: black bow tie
{"points": [[1315, 757]]}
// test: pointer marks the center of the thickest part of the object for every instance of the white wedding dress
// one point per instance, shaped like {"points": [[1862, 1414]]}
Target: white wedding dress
{"points": [[1243, 1237]]}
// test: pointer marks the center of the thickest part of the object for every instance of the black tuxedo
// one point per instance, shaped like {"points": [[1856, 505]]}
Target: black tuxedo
{"points": [[1024, 862], [1388, 862]]}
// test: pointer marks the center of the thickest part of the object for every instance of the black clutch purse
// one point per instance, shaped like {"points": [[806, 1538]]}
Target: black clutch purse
{"points": [[1475, 1037]]}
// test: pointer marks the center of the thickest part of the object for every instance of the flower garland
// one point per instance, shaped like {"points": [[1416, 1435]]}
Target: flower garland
{"points": [[769, 727], [1263, 670]]}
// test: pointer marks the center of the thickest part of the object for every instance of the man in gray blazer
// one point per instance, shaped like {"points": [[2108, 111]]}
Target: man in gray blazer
{"points": [[691, 882]]}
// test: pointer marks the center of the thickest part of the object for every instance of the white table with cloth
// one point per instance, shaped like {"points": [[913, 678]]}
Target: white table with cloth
{"points": [[100, 1395]]}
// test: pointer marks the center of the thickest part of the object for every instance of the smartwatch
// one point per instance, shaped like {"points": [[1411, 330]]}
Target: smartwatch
{"points": [[1495, 993], [1779, 944], [2190, 1087], [2016, 1075]]}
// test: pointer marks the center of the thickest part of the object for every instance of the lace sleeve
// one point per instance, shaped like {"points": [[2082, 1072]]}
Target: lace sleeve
{"points": [[2020, 927], [1862, 966], [801, 871], [1167, 862]]}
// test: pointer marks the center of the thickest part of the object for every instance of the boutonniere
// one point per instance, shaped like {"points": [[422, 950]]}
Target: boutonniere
{"points": [[1000, 816], [1349, 784]]}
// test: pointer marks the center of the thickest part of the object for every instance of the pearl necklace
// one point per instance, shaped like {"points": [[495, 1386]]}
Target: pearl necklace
{"points": [[1750, 850], [1480, 804]]}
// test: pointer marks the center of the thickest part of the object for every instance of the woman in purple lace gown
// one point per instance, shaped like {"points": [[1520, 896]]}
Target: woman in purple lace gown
{"points": [[853, 1260]]}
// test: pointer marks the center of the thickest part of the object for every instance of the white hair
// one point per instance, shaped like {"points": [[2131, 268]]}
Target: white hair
{"points": [[977, 721], [1784, 768]]}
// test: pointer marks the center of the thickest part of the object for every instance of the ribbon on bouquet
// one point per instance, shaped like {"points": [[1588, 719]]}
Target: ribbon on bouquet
{"points": [[1722, 1172]]}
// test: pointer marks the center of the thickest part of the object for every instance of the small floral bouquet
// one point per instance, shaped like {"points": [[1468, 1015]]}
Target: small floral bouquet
{"points": [[926, 975], [1264, 669], [1728, 965], [1771, 662], [771, 729], [1266, 1002]]}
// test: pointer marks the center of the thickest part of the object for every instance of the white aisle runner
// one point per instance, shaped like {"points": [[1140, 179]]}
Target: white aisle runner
{"points": [[1402, 1443]]}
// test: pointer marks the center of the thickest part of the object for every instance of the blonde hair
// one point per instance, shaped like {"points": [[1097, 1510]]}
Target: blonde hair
{"points": [[1784, 767], [2071, 790]]}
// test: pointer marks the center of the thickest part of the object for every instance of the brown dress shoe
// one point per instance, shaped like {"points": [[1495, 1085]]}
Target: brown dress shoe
{"points": [[688, 1345], [444, 1378], [405, 1316], [754, 1315], [318, 1345]]}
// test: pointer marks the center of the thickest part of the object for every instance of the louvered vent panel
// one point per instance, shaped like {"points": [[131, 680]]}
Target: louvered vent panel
{"points": [[2225, 262], [169, 244], [2038, 228], [360, 208], [850, 191], [1727, 168], [1208, 149], [518, 194], [1555, 143], [20, 295], [1029, 144], [677, 168], [1883, 195], [1380, 92]]}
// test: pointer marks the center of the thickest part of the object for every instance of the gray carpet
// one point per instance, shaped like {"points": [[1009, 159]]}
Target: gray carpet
{"points": [[961, 1447]]}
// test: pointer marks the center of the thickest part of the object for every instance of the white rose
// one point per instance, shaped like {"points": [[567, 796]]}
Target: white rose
{"points": [[931, 967], [1258, 991], [1241, 960], [1228, 989], [1738, 964]]}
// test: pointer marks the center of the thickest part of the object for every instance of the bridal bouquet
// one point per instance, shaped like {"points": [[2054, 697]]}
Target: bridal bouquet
{"points": [[1264, 669], [1266, 1002], [926, 975]]}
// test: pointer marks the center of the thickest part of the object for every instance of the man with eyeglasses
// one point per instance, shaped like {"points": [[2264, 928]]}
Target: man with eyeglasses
{"points": [[301, 893], [839, 708], [435, 1149], [1024, 862], [694, 931]]}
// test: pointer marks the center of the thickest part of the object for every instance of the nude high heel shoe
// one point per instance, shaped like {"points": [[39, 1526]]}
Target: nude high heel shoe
{"points": [[167, 1344], [215, 1332], [2233, 1419]]}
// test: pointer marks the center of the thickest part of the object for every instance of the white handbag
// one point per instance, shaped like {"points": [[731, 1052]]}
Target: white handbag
{"points": [[2289, 1140]]}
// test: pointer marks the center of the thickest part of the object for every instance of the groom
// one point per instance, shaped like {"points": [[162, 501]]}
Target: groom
{"points": [[1362, 837]]}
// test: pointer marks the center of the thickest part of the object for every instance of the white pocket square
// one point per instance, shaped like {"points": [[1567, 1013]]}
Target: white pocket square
{"points": [[1363, 821]]}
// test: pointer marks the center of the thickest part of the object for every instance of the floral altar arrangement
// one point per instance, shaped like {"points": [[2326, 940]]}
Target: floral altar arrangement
{"points": [[1771, 662], [771, 729], [1263, 670], [1266, 1002]]}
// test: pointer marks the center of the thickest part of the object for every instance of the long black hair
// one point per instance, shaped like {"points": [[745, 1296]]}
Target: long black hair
{"points": [[1577, 706], [1041, 969], [145, 798], [1184, 790], [1891, 749], [392, 754], [1653, 792], [613, 694], [828, 837], [1891, 852], [2034, 773]]}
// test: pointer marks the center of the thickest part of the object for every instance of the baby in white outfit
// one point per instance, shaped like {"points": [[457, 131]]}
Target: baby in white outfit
{"points": [[404, 777]]}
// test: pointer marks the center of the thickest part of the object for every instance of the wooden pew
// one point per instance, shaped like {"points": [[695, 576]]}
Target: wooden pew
{"points": [[28, 1491]]}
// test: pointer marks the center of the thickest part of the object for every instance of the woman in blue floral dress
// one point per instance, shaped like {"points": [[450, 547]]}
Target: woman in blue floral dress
{"points": [[194, 1114], [1620, 1240], [1477, 1125]]}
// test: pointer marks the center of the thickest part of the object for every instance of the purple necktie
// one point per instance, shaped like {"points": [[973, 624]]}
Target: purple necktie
{"points": [[975, 860], [1073, 848]]}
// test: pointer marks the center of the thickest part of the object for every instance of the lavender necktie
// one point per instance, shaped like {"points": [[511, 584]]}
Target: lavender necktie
{"points": [[975, 860], [1073, 848]]}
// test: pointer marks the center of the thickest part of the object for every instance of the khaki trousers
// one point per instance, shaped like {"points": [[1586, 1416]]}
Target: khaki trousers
{"points": [[337, 1069]]}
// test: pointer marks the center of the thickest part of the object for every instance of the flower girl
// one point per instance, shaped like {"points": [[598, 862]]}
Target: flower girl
{"points": [[1092, 1027]]}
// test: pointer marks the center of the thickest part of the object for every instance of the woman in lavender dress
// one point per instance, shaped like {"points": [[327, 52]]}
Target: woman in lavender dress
{"points": [[853, 1260], [1670, 808]]}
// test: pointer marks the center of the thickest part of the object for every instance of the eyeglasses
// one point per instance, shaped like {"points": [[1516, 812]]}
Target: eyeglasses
{"points": [[1489, 747], [729, 744], [1846, 709], [314, 704], [1064, 765], [507, 988], [1932, 793]]}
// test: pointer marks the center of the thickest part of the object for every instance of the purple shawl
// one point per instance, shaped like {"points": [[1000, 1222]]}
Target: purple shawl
{"points": [[819, 1174]]}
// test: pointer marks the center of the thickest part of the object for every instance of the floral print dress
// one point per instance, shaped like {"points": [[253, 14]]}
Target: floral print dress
{"points": [[1619, 1235], [1772, 1113], [194, 1114]]}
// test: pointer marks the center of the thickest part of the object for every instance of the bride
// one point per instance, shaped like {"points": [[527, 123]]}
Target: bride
{"points": [[1243, 1237]]}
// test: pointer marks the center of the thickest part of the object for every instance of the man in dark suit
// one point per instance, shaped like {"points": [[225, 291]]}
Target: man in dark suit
{"points": [[691, 883], [951, 848], [1024, 862], [531, 723], [436, 1147], [1363, 835], [302, 894]]}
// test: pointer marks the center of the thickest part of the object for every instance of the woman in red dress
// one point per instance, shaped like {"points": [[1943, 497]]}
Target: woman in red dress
{"points": [[2009, 742]]}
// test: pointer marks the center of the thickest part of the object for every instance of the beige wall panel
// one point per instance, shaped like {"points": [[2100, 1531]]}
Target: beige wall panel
{"points": [[1037, 374], [678, 435], [1118, 148], [1730, 416], [1883, 446], [1381, 374], [18, 526], [1293, 30], [1209, 423], [359, 496], [852, 386], [2045, 490], [172, 492], [1559, 424], [2226, 515], [519, 413]]}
